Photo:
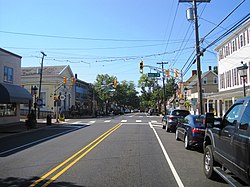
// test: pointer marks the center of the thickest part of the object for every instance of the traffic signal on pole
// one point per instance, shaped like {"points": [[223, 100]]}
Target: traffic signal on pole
{"points": [[141, 66], [73, 80], [115, 83], [167, 73], [176, 75], [64, 80]]}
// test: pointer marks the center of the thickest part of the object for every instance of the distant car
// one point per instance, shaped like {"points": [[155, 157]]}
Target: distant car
{"points": [[191, 130], [170, 121]]}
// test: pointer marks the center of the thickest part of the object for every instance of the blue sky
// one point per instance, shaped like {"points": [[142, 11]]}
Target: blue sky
{"points": [[110, 36]]}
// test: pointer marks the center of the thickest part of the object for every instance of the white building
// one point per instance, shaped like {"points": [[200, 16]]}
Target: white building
{"points": [[231, 52]]}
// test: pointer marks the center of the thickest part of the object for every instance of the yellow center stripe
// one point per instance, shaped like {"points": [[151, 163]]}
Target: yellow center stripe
{"points": [[92, 145]]}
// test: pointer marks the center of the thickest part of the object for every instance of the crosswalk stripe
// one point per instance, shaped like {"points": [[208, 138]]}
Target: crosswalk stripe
{"points": [[76, 122], [107, 121], [153, 121], [124, 121], [138, 121], [91, 122]]}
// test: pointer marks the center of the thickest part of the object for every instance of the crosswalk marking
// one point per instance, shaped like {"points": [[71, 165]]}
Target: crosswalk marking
{"points": [[107, 121], [152, 121], [90, 122], [124, 121], [138, 121]]}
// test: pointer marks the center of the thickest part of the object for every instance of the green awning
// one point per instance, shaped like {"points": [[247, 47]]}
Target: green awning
{"points": [[10, 93]]}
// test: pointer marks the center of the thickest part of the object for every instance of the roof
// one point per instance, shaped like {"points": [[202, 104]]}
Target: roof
{"points": [[194, 81], [47, 70], [14, 94], [10, 53]]}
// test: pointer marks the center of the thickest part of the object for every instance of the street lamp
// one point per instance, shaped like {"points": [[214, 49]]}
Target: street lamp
{"points": [[242, 70]]}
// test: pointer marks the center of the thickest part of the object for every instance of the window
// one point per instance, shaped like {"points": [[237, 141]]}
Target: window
{"points": [[8, 74], [245, 120], [215, 80], [241, 41], [233, 115], [204, 80], [7, 110]]}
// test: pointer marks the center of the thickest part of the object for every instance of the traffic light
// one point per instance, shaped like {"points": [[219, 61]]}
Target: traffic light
{"points": [[73, 80], [167, 73], [176, 74], [115, 83], [64, 80], [141, 67]]}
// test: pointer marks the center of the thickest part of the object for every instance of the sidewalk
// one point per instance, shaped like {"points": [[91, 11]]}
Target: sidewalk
{"points": [[19, 127]]}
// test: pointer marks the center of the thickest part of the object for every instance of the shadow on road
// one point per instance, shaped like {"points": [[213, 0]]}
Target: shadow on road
{"points": [[21, 182], [18, 142]]}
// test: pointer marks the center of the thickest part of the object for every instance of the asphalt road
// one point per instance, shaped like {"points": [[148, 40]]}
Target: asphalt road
{"points": [[128, 150]]}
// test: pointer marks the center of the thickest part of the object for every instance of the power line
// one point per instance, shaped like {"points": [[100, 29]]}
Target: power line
{"points": [[79, 38]]}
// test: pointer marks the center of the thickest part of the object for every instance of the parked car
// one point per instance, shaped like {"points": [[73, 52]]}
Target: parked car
{"points": [[227, 144], [191, 130], [170, 121]]}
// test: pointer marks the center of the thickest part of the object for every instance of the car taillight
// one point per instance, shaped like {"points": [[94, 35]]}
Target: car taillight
{"points": [[172, 118], [196, 130]]}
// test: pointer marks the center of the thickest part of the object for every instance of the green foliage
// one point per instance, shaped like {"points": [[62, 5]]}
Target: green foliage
{"points": [[124, 95]]}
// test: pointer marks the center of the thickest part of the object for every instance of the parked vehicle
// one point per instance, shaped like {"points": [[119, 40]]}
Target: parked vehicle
{"points": [[191, 130], [226, 145], [170, 121]]}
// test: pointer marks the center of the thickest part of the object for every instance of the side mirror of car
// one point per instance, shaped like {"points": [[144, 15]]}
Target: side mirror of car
{"points": [[209, 120]]}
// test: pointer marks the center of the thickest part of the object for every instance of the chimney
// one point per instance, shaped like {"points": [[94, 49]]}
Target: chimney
{"points": [[76, 76], [210, 68], [194, 72]]}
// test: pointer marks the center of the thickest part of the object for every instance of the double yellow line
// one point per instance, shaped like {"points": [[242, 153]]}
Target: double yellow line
{"points": [[74, 159]]}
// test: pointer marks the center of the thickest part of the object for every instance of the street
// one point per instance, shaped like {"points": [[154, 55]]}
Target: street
{"points": [[126, 150]]}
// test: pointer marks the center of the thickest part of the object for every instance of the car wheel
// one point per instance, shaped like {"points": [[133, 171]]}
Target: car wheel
{"points": [[177, 135], [163, 125], [167, 129], [209, 163], [186, 142]]}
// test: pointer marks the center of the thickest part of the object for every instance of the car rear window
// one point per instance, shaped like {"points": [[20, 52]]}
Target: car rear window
{"points": [[180, 113], [198, 121]]}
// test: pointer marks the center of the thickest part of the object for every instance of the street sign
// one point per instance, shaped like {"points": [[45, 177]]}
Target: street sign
{"points": [[153, 74], [62, 97]]}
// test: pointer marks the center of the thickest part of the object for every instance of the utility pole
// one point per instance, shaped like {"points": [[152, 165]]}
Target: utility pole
{"points": [[40, 84], [198, 61], [164, 90], [194, 18]]}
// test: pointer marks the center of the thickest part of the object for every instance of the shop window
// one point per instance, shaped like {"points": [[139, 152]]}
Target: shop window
{"points": [[8, 110]]}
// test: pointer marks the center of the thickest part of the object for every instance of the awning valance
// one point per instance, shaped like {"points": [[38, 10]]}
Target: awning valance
{"points": [[10, 93]]}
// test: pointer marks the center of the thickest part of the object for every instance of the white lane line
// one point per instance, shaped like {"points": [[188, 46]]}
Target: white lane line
{"points": [[138, 121], [157, 126], [76, 122], [124, 121], [176, 176], [107, 121], [91, 122]]}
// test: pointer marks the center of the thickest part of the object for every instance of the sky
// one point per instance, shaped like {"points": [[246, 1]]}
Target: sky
{"points": [[113, 36]]}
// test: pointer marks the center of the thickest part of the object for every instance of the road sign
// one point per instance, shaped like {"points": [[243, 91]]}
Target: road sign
{"points": [[62, 97], [153, 74]]}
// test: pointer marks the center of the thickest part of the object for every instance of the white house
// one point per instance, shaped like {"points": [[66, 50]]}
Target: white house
{"points": [[232, 52]]}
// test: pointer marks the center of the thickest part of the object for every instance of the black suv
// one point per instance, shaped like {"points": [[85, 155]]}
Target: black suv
{"points": [[227, 144]]}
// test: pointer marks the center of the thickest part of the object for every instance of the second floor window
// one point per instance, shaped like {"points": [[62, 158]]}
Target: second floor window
{"points": [[8, 74], [215, 80], [204, 80]]}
